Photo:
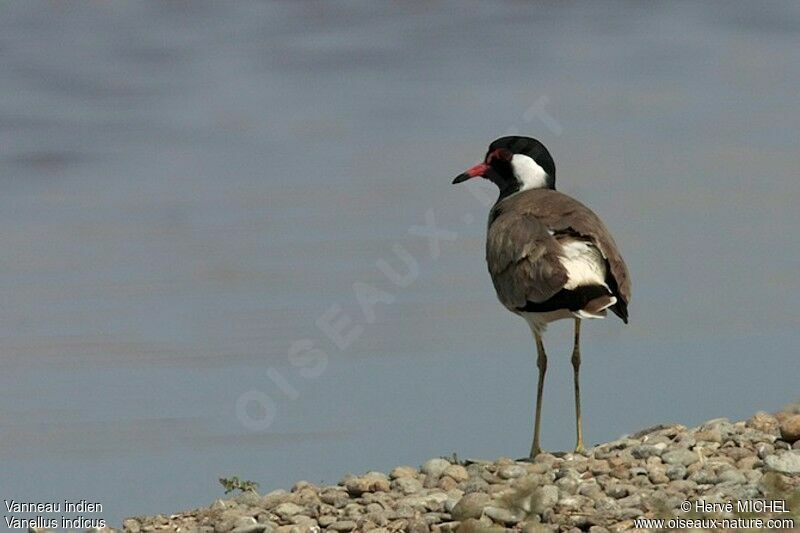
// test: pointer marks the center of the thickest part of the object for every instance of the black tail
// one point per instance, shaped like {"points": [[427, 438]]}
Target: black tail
{"points": [[620, 309], [572, 299]]}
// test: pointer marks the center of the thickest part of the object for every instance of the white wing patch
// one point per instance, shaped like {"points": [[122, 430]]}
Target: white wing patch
{"points": [[584, 264], [599, 313]]}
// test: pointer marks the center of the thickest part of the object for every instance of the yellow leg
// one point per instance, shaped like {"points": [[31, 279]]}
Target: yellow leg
{"points": [[541, 363], [576, 365]]}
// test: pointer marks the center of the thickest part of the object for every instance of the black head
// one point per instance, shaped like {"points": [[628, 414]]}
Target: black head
{"points": [[515, 164]]}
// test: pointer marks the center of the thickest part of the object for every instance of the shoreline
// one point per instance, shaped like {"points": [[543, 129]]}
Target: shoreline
{"points": [[651, 474]]}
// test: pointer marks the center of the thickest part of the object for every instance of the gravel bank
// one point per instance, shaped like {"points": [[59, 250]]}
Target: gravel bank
{"points": [[648, 474]]}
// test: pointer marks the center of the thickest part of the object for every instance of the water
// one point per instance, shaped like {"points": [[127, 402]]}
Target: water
{"points": [[186, 188]]}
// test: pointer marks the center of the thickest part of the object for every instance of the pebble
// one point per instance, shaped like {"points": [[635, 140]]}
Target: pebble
{"points": [[343, 525], [446, 527], [572, 503], [447, 483], [473, 525], [790, 429], [630, 512], [476, 485], [404, 471], [271, 499], [371, 482], [327, 520], [288, 509], [765, 450], [543, 499], [675, 472], [470, 506], [605, 489], [680, 457], [763, 422], [567, 485], [786, 463], [620, 472], [598, 467], [704, 477], [407, 485], [130, 525], [511, 472], [435, 467], [618, 490], [712, 434], [732, 476], [336, 497], [634, 500], [457, 472], [244, 521], [252, 528], [658, 475], [747, 463], [606, 505], [643, 451], [503, 516], [248, 497]]}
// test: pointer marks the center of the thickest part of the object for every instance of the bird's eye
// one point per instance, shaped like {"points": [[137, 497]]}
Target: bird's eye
{"points": [[500, 153]]}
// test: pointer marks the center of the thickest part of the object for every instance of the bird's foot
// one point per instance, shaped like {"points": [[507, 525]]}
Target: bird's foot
{"points": [[532, 457], [579, 447]]}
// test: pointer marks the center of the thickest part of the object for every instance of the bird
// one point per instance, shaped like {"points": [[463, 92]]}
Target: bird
{"points": [[549, 256]]}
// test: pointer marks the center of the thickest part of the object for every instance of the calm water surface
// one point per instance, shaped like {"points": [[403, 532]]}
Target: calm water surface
{"points": [[187, 188]]}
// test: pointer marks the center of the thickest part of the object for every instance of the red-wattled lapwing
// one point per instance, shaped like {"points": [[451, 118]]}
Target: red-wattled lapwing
{"points": [[550, 256]]}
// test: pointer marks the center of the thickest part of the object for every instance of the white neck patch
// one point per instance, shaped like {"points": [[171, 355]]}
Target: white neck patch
{"points": [[528, 173]]}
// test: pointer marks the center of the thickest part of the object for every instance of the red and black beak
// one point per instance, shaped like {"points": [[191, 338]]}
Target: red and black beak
{"points": [[477, 170]]}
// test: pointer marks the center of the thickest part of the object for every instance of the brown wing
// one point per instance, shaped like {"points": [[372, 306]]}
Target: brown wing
{"points": [[563, 214], [523, 259]]}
